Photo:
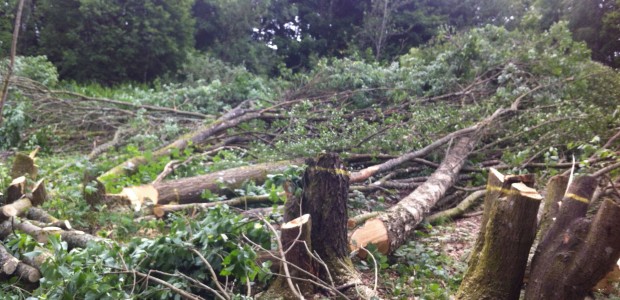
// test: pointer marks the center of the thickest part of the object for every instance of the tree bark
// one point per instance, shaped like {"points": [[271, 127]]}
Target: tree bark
{"points": [[189, 190], [556, 187], [393, 228], [364, 174], [576, 253], [8, 263], [325, 193], [16, 190], [497, 267], [297, 244], [38, 214]]}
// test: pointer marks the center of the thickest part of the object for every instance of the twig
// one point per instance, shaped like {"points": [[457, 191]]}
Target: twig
{"points": [[284, 262], [376, 268], [606, 170], [213, 275]]}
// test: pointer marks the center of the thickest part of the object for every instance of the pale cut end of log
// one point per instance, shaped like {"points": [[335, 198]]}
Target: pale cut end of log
{"points": [[527, 191], [39, 194], [138, 195], [497, 174], [10, 265], [295, 223], [16, 189], [372, 232]]}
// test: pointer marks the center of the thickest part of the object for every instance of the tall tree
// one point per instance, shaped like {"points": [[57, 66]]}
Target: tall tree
{"points": [[114, 41], [230, 31]]}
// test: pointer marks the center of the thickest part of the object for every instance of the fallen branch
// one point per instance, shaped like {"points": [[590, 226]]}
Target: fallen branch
{"points": [[459, 210], [162, 210]]}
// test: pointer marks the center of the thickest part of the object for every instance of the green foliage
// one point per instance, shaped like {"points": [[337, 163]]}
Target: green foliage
{"points": [[424, 271], [103, 271], [113, 41]]}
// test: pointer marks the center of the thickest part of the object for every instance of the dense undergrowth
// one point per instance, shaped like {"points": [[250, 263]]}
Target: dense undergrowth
{"points": [[570, 108]]}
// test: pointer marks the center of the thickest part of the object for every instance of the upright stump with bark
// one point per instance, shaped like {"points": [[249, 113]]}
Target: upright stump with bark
{"points": [[576, 252], [324, 198], [498, 262]]}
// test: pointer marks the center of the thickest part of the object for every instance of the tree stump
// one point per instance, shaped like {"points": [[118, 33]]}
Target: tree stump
{"points": [[508, 230], [576, 252], [325, 193]]}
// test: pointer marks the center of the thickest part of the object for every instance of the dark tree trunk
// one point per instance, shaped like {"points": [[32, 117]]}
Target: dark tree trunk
{"points": [[576, 253], [325, 193], [509, 227]]}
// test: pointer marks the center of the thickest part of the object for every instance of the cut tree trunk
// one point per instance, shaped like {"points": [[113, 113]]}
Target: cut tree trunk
{"points": [[297, 245], [189, 190], [11, 266], [38, 214], [16, 190], [393, 228], [576, 253], [21, 205], [325, 193], [73, 238], [497, 270], [8, 263], [555, 190], [23, 165]]}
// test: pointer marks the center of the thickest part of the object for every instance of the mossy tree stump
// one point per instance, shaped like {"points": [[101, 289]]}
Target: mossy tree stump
{"points": [[508, 230]]}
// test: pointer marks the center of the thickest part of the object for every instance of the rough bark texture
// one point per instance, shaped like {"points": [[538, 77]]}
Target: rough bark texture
{"points": [[325, 194], [556, 187], [297, 244], [189, 190], [16, 190], [576, 253], [558, 245], [401, 219], [496, 271], [38, 214], [8, 263]]}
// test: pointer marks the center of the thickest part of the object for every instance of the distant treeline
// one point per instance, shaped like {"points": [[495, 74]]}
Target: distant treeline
{"points": [[112, 41]]}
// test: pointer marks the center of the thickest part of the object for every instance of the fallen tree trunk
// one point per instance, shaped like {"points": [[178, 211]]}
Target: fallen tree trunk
{"points": [[499, 259], [8, 263], [393, 228], [73, 238], [189, 190], [38, 214]]}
